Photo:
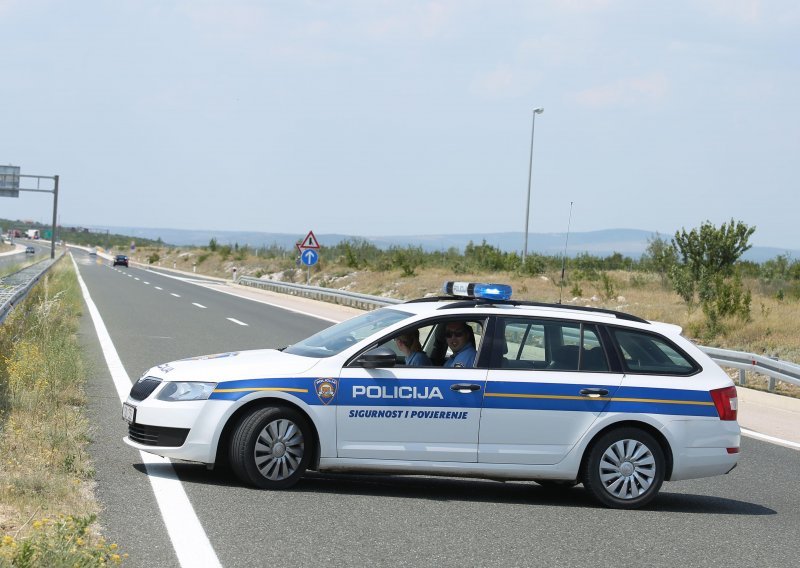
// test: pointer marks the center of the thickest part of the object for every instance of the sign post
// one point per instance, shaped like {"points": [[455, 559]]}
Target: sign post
{"points": [[309, 253]]}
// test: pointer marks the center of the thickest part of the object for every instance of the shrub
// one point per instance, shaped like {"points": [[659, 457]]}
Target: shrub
{"points": [[65, 541]]}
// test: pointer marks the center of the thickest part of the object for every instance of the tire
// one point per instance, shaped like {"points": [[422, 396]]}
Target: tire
{"points": [[624, 468], [271, 447]]}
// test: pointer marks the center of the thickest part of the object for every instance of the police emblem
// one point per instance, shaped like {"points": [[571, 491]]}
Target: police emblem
{"points": [[326, 389]]}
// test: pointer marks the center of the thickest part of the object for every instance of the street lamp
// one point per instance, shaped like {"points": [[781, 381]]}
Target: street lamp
{"points": [[536, 111]]}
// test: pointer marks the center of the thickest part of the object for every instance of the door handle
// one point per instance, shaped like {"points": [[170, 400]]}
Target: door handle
{"points": [[594, 393], [464, 388]]}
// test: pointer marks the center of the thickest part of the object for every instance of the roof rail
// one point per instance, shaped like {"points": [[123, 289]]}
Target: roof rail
{"points": [[474, 303]]}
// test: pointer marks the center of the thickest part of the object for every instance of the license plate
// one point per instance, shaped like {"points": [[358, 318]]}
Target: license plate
{"points": [[128, 412]]}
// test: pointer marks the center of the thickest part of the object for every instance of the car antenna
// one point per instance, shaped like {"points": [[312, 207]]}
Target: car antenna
{"points": [[564, 258]]}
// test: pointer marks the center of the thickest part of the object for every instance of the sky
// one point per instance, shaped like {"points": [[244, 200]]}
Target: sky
{"points": [[382, 117]]}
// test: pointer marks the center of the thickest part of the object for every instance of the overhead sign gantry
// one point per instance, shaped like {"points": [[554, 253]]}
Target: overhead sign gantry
{"points": [[9, 187]]}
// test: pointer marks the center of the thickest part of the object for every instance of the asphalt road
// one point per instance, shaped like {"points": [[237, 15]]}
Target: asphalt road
{"points": [[22, 258], [750, 517]]}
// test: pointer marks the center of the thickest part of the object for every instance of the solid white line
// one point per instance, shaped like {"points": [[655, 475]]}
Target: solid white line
{"points": [[198, 305], [174, 294], [771, 439], [189, 540], [236, 321]]}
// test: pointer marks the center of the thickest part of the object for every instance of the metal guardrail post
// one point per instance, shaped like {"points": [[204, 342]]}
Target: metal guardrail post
{"points": [[742, 377]]}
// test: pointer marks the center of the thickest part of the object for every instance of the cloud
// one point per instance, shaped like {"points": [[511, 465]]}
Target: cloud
{"points": [[504, 81], [7, 6], [427, 20], [631, 91], [226, 22]]}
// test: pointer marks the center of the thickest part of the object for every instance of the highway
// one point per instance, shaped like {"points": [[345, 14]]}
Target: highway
{"points": [[19, 258], [747, 518]]}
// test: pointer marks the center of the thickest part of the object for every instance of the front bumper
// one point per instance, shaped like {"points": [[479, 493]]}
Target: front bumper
{"points": [[181, 430]]}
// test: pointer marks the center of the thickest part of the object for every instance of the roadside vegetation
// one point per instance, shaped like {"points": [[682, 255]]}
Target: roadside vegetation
{"points": [[695, 279], [47, 508]]}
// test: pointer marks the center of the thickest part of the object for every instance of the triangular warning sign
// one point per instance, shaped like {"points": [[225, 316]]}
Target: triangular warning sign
{"points": [[310, 242]]}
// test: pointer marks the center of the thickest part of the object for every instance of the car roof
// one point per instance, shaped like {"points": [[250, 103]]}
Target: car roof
{"points": [[441, 305]]}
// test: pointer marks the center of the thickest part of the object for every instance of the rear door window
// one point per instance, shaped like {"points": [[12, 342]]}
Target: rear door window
{"points": [[527, 343]]}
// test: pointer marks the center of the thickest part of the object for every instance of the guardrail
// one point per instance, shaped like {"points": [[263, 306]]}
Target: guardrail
{"points": [[15, 286], [775, 369], [360, 301]]}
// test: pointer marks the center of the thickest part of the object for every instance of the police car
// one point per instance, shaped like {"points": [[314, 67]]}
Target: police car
{"points": [[557, 394]]}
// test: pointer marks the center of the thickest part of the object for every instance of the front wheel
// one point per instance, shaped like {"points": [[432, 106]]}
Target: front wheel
{"points": [[271, 447], [625, 468]]}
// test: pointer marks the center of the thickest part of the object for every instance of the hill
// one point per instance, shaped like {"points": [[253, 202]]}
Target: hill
{"points": [[628, 242]]}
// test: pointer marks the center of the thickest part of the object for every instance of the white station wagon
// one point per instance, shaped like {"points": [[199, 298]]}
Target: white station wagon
{"points": [[469, 384]]}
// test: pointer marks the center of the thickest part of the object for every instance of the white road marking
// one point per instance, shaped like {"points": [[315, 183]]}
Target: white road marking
{"points": [[174, 294], [189, 540], [236, 321], [136, 278], [159, 288], [274, 305], [771, 439], [198, 305], [214, 286], [148, 283]]}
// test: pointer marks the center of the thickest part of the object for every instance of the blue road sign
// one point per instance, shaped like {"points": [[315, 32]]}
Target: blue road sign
{"points": [[309, 257]]}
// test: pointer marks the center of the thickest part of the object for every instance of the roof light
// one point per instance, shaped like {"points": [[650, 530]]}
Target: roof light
{"points": [[478, 290]]}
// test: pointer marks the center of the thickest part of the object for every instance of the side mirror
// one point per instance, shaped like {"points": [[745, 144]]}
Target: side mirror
{"points": [[377, 357]]}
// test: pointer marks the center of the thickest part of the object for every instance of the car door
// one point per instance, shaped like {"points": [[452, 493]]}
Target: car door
{"points": [[399, 412], [547, 383]]}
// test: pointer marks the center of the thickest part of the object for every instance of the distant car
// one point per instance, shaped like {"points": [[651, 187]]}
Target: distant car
{"points": [[93, 252], [30, 250], [121, 259]]}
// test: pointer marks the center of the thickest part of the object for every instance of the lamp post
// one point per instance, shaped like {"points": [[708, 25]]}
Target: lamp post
{"points": [[536, 111]]}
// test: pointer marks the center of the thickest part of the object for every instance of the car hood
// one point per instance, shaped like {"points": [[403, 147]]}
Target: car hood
{"points": [[234, 366]]}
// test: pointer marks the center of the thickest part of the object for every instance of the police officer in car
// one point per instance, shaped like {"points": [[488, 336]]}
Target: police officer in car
{"points": [[409, 346], [461, 341]]}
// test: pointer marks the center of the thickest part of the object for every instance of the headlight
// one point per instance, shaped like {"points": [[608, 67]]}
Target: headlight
{"points": [[186, 391]]}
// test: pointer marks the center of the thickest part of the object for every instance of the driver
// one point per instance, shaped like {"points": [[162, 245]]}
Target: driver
{"points": [[409, 346]]}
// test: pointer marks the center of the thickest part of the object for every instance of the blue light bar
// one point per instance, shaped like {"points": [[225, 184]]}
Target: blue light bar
{"points": [[478, 290]]}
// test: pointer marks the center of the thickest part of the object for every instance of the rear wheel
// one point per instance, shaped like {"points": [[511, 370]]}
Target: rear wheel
{"points": [[625, 468], [271, 447]]}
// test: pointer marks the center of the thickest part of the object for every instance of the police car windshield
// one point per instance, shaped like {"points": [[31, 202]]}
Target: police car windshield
{"points": [[339, 337]]}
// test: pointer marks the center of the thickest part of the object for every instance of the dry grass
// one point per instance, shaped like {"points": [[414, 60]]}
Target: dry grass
{"points": [[45, 468]]}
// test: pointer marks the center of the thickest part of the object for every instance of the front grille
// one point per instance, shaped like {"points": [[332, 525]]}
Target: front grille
{"points": [[157, 435], [144, 388]]}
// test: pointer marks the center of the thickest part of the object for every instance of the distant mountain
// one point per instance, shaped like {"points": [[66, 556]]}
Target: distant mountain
{"points": [[628, 242]]}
